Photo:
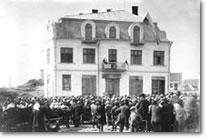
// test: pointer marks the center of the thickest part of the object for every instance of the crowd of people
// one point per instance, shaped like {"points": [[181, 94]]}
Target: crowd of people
{"points": [[174, 112]]}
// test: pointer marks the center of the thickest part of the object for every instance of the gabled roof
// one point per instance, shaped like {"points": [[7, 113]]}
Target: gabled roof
{"points": [[118, 15]]}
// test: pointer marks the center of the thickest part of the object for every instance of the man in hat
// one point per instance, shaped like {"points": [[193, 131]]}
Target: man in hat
{"points": [[123, 118], [108, 107], [114, 114], [134, 120], [167, 116], [142, 108]]}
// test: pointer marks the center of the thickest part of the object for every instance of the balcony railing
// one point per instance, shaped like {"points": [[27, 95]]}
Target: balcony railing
{"points": [[114, 66]]}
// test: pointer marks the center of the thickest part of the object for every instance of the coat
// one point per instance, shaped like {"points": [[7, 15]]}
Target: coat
{"points": [[142, 109]]}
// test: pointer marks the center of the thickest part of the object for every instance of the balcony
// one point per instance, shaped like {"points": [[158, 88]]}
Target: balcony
{"points": [[114, 67]]}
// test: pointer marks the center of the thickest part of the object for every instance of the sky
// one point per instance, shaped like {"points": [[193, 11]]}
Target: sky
{"points": [[23, 26]]}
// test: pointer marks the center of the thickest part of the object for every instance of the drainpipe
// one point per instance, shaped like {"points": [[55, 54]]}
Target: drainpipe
{"points": [[98, 67], [169, 67]]}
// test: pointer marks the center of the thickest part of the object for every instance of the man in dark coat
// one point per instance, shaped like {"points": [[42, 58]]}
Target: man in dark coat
{"points": [[123, 118], [142, 108], [167, 116], [155, 112], [114, 115], [100, 115], [76, 110]]}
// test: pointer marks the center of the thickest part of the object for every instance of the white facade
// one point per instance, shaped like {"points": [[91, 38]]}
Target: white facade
{"points": [[55, 69]]}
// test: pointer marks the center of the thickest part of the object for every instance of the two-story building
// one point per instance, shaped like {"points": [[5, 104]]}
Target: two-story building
{"points": [[113, 52]]}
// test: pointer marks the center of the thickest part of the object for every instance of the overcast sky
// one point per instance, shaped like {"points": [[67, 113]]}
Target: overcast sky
{"points": [[22, 26]]}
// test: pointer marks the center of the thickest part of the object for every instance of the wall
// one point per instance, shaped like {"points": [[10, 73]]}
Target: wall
{"points": [[77, 68]]}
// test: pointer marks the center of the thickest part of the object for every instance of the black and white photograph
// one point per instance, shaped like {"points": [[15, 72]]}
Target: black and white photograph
{"points": [[100, 66]]}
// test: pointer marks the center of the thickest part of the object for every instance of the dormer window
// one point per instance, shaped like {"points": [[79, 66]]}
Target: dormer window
{"points": [[88, 32], [136, 34], [112, 31]]}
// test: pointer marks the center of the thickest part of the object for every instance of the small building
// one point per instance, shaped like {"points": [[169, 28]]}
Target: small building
{"points": [[175, 81], [112, 52]]}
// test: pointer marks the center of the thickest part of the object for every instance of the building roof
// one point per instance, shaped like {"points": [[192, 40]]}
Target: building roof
{"points": [[118, 15]]}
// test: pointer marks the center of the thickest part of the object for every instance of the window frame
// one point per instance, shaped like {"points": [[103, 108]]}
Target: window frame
{"points": [[87, 54], [161, 56], [136, 41], [48, 55], [64, 87], [112, 33], [65, 54], [88, 37], [112, 53], [134, 57]]}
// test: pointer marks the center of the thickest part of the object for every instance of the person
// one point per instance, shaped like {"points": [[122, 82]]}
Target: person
{"points": [[142, 108], [123, 117], [100, 115], [134, 120], [155, 111], [93, 112], [108, 112], [76, 112], [114, 115], [167, 116], [38, 118]]}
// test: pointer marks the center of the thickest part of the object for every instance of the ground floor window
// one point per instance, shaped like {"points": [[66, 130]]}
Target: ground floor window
{"points": [[135, 85], [66, 80], [112, 86], [89, 85], [158, 85]]}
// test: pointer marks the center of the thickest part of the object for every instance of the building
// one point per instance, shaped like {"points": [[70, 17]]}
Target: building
{"points": [[175, 81], [112, 52]]}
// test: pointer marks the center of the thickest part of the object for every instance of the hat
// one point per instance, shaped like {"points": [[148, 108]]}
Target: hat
{"points": [[132, 108], [142, 95]]}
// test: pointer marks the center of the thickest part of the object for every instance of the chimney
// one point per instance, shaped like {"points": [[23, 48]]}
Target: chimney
{"points": [[108, 10], [135, 10], [94, 11]]}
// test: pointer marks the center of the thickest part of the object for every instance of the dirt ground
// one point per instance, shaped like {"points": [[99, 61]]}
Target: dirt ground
{"points": [[87, 128]]}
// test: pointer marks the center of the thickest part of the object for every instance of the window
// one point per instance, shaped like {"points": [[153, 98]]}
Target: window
{"points": [[136, 34], [89, 85], [66, 55], [158, 57], [136, 57], [48, 55], [88, 55], [135, 85], [88, 32], [158, 85], [112, 33], [66, 82], [112, 55]]}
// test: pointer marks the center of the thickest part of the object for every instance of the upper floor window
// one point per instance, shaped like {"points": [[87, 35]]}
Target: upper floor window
{"points": [[136, 34], [48, 55], [88, 31], [88, 55], [112, 55], [66, 82], [136, 57], [112, 33], [158, 58], [66, 55]]}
